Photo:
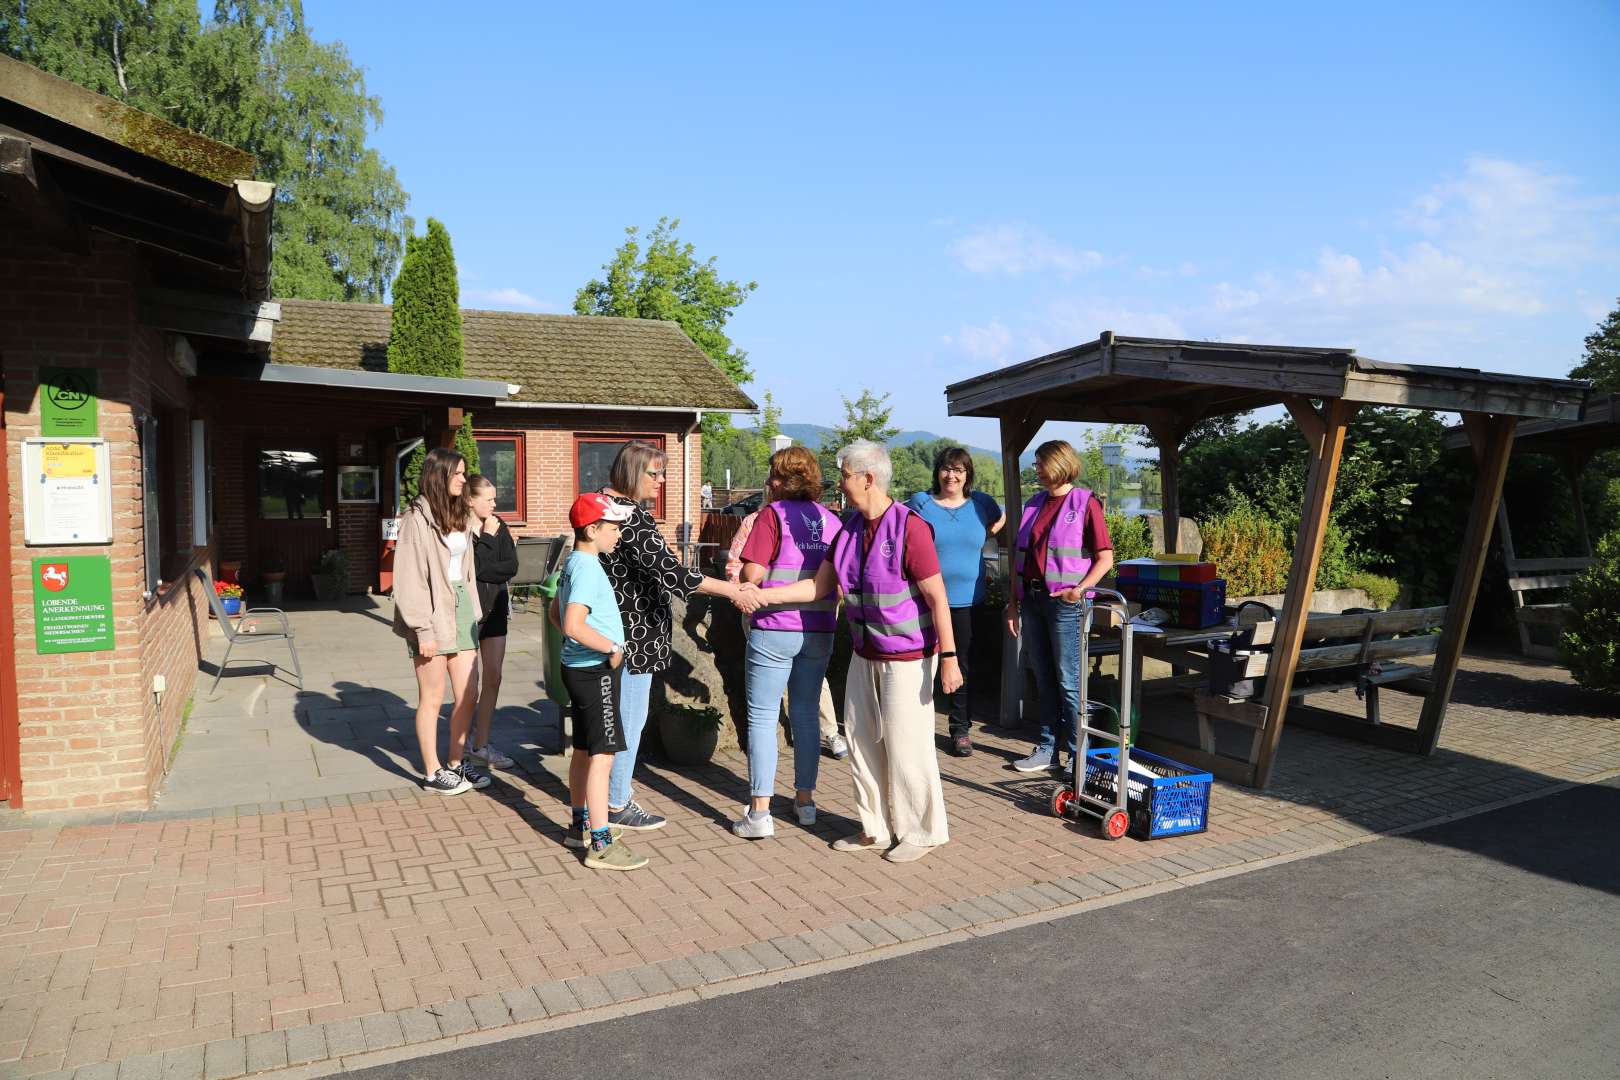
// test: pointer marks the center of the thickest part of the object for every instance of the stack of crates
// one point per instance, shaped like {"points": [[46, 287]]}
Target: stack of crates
{"points": [[1188, 590]]}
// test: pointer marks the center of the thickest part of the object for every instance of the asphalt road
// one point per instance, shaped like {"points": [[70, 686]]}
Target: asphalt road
{"points": [[1486, 948]]}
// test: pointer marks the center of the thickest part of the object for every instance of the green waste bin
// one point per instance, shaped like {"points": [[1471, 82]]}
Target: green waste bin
{"points": [[1105, 688], [555, 689]]}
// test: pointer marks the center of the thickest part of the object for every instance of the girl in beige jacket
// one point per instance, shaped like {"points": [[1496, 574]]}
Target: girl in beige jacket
{"points": [[436, 612]]}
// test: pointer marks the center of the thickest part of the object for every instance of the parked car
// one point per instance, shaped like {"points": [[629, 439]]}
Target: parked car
{"points": [[743, 506]]}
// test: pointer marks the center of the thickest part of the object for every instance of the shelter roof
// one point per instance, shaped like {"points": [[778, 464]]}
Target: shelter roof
{"points": [[73, 161], [556, 359], [1597, 428], [1119, 379]]}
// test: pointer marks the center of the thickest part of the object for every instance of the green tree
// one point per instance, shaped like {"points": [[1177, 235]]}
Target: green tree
{"points": [[663, 279], [424, 336], [770, 426], [867, 417], [1602, 361], [253, 77]]}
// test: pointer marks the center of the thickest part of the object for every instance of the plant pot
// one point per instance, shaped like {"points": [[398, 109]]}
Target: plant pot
{"points": [[686, 743], [273, 584], [328, 587], [231, 604]]}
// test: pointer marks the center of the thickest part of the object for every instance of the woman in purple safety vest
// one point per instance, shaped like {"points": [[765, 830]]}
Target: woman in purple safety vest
{"points": [[884, 564], [788, 645], [1062, 550]]}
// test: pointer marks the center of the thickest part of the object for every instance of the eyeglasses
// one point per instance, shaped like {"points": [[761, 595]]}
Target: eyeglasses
{"points": [[954, 470], [656, 474]]}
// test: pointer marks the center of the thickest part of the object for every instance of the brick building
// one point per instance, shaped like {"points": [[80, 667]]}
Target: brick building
{"points": [[135, 323], [579, 387]]}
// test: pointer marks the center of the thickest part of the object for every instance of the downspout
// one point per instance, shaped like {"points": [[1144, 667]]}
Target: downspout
{"points": [[686, 477]]}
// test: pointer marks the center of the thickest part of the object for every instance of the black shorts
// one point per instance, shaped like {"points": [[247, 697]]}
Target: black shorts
{"points": [[598, 727], [494, 624]]}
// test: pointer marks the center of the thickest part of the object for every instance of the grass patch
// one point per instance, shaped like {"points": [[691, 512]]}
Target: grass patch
{"points": [[180, 736]]}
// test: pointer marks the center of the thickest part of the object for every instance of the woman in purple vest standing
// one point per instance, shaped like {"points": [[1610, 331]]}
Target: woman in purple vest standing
{"points": [[1062, 550], [884, 563], [788, 645]]}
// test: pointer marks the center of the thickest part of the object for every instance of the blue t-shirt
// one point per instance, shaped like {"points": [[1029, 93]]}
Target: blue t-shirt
{"points": [[959, 536], [585, 582]]}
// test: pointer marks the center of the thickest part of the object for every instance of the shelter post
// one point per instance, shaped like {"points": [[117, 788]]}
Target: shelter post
{"points": [[1017, 430], [1492, 439], [1575, 460], [1324, 433], [1167, 436]]}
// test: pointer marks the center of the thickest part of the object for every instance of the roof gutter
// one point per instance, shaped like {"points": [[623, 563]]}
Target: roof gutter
{"points": [[255, 204], [699, 409]]}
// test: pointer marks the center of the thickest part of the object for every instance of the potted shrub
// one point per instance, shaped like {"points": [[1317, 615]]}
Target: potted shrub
{"points": [[230, 596], [331, 577], [274, 573], [689, 733]]}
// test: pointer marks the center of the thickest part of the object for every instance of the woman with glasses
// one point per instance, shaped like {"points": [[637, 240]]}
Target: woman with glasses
{"points": [[963, 519], [646, 574]]}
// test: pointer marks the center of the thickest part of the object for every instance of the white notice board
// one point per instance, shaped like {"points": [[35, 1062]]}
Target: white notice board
{"points": [[67, 491]]}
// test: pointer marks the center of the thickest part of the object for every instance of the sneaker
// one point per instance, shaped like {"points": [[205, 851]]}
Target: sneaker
{"points": [[635, 819], [752, 826], [857, 842], [1039, 761], [806, 812], [446, 782], [837, 746], [616, 856], [962, 746], [582, 839], [472, 776], [493, 758], [904, 852]]}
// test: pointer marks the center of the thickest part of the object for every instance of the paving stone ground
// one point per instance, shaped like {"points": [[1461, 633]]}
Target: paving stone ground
{"points": [[215, 941]]}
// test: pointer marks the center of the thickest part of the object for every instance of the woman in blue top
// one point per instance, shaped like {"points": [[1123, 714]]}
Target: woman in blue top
{"points": [[963, 519]]}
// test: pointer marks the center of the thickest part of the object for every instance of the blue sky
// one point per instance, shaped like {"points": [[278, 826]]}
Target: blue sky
{"points": [[927, 192]]}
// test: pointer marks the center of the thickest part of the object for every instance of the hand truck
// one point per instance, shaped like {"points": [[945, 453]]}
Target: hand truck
{"points": [[1071, 801]]}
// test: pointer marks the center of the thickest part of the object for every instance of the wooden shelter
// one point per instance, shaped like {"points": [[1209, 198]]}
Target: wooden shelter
{"points": [[1168, 386]]}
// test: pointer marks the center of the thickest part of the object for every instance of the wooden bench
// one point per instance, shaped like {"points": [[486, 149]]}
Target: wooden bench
{"points": [[1525, 576], [1364, 647]]}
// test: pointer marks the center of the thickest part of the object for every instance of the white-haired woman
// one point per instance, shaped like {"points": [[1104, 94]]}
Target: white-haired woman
{"points": [[885, 565], [645, 575]]}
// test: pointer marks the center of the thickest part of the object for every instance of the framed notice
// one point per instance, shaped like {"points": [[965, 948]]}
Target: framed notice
{"points": [[67, 491], [73, 604], [357, 483]]}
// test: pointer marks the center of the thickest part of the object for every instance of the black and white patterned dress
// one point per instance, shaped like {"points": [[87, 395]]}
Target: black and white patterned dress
{"points": [[645, 574]]}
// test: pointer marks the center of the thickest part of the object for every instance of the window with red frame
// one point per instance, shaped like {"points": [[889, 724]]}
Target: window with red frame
{"points": [[593, 461], [500, 457]]}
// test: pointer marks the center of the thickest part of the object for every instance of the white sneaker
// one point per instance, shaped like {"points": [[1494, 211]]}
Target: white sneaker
{"points": [[806, 812], [836, 746], [752, 826], [492, 757]]}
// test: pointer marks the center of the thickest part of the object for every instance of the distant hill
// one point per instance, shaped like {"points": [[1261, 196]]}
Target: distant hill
{"points": [[811, 435]]}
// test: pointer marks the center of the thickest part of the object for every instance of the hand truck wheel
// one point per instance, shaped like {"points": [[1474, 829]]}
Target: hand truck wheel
{"points": [[1062, 799], [1115, 824]]}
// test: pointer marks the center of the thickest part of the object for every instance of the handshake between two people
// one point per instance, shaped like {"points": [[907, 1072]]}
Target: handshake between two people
{"points": [[747, 597]]}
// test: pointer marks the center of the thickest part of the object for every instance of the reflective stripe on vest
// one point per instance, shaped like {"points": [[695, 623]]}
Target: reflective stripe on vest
{"points": [[886, 612], [1067, 558], [805, 531]]}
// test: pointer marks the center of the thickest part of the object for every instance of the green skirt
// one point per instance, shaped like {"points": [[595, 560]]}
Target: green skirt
{"points": [[466, 625]]}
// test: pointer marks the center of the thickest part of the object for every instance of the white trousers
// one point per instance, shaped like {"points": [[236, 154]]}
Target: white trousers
{"points": [[889, 720]]}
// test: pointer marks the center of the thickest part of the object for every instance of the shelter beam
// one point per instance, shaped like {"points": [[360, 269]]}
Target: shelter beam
{"points": [[1492, 441]]}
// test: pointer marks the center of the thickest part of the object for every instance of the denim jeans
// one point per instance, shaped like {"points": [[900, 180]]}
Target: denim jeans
{"points": [[1050, 629], [797, 661], [635, 692]]}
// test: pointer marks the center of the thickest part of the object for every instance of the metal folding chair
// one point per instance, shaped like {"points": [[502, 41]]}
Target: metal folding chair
{"points": [[234, 636]]}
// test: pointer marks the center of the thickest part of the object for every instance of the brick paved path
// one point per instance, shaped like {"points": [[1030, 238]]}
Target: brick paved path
{"points": [[244, 941]]}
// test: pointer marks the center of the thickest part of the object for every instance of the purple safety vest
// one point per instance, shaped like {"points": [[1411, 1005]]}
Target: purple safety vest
{"points": [[805, 531], [1067, 560], [885, 611]]}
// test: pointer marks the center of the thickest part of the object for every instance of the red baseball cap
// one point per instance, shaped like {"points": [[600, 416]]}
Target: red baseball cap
{"points": [[592, 507]]}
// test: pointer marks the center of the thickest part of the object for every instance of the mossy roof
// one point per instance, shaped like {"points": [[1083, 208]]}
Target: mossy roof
{"points": [[556, 359]]}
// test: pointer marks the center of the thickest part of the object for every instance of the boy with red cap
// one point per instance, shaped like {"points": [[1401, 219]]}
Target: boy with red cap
{"points": [[592, 652]]}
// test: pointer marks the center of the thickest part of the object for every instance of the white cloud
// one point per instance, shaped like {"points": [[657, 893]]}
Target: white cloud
{"points": [[1018, 249], [990, 344], [1505, 212], [507, 299]]}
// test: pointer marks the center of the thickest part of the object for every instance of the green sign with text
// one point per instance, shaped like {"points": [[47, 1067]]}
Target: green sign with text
{"points": [[67, 402], [73, 609]]}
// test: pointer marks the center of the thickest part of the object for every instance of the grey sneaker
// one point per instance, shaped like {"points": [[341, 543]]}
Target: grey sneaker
{"points": [[837, 746], [635, 819], [488, 755], [472, 776], [806, 812], [752, 826], [616, 856], [446, 782], [1039, 761]]}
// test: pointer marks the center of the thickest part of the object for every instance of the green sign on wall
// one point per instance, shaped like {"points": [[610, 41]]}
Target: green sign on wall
{"points": [[73, 604], [67, 402]]}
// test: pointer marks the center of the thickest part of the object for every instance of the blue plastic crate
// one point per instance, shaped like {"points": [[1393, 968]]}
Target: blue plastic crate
{"points": [[1195, 605], [1164, 797]]}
